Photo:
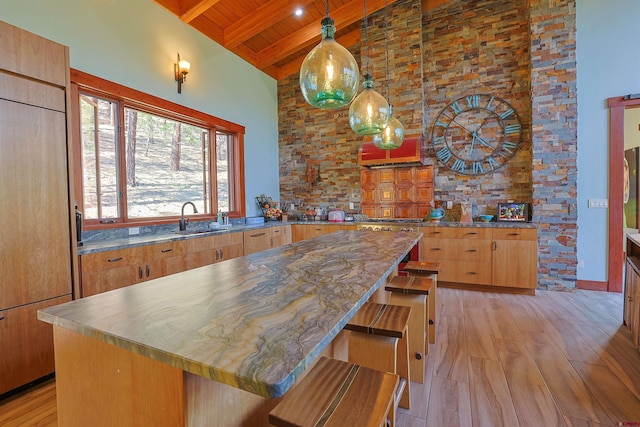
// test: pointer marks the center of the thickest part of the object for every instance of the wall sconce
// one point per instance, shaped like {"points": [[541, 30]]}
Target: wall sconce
{"points": [[181, 69]]}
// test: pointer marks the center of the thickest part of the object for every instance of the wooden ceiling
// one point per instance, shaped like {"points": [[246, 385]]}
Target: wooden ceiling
{"points": [[266, 33]]}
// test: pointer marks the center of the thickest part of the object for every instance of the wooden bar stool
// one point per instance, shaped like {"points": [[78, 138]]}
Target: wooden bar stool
{"points": [[338, 394], [379, 340], [413, 292], [431, 270]]}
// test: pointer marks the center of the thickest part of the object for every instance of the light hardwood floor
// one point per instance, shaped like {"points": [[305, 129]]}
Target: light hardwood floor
{"points": [[554, 359]]}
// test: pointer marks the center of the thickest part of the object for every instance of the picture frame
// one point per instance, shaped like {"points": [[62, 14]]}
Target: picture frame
{"points": [[513, 212]]}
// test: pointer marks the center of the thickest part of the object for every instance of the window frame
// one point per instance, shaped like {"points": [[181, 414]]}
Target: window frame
{"points": [[131, 98]]}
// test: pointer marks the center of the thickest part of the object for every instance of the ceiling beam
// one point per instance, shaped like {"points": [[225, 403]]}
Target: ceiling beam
{"points": [[262, 18], [196, 10], [343, 16]]}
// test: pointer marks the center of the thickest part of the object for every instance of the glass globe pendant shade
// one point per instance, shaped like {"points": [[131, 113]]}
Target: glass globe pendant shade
{"points": [[369, 112], [329, 74], [392, 136]]}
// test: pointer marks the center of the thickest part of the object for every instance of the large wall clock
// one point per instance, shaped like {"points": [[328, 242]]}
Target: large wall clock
{"points": [[476, 134]]}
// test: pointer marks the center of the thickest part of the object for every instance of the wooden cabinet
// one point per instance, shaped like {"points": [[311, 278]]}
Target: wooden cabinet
{"points": [[27, 344], [631, 314], [266, 238], [515, 257], [396, 192], [38, 266], [309, 231], [502, 257], [464, 253], [105, 271], [212, 249]]}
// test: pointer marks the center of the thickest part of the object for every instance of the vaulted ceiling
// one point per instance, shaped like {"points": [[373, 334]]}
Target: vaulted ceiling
{"points": [[266, 33]]}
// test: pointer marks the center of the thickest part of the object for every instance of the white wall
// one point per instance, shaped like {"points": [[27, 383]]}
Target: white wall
{"points": [[135, 43], [608, 65]]}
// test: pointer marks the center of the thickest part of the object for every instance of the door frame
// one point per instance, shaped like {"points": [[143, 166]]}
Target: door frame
{"points": [[617, 105]]}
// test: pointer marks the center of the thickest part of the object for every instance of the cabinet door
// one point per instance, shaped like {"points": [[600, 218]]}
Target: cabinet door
{"points": [[36, 240], [256, 241], [26, 343], [162, 259], [286, 235], [298, 232], [515, 258], [630, 282], [231, 245], [105, 271]]}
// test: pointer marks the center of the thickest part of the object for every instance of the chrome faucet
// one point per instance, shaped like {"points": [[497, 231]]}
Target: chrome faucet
{"points": [[183, 222]]}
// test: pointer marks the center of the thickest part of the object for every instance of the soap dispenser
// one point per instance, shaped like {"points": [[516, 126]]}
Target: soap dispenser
{"points": [[220, 217]]}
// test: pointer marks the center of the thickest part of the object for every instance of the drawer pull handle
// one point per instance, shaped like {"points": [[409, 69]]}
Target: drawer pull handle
{"points": [[472, 272], [221, 253], [140, 272], [472, 250], [148, 271], [164, 251], [217, 255], [472, 233], [1, 317], [514, 234], [436, 249], [115, 259], [258, 235]]}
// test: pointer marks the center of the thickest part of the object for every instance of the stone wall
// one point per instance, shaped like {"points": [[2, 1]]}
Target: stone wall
{"points": [[523, 52]]}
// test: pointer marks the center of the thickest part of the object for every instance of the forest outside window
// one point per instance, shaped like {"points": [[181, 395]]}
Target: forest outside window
{"points": [[141, 164]]}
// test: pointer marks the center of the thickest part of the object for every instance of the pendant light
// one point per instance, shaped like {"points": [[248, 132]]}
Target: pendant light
{"points": [[329, 74], [369, 112], [393, 135]]}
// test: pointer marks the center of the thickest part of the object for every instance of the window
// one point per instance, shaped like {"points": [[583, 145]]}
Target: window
{"points": [[140, 161]]}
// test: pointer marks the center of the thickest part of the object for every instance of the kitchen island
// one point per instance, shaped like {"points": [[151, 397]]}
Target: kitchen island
{"points": [[216, 345]]}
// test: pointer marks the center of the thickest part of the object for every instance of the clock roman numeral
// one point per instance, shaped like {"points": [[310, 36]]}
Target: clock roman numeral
{"points": [[489, 106], [438, 140], [444, 154], [515, 128], [439, 123], [457, 109], [473, 101], [477, 168], [492, 163], [506, 114], [459, 166]]}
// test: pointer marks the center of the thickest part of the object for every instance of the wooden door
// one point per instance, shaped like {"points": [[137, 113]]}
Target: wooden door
{"points": [[36, 236]]}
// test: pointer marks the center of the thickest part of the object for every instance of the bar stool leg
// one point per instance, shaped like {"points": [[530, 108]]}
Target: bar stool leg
{"points": [[417, 333]]}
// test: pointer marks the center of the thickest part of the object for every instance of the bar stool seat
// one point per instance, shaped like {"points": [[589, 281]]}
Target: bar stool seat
{"points": [[427, 269], [337, 394], [413, 292], [380, 340]]}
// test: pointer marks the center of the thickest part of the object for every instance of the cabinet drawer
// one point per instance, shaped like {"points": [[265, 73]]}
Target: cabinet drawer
{"points": [[476, 273], [111, 259], [515, 234], [471, 233], [452, 249], [164, 250]]}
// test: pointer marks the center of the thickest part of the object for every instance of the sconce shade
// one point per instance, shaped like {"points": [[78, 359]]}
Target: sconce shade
{"points": [[369, 112], [181, 68], [392, 136], [329, 74]]}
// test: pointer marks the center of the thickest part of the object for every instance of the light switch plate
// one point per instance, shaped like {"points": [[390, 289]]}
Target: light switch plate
{"points": [[598, 203]]}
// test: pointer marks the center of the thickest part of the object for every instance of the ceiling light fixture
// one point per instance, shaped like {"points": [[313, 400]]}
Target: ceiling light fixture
{"points": [[181, 68], [392, 136], [369, 112], [298, 12], [329, 74]]}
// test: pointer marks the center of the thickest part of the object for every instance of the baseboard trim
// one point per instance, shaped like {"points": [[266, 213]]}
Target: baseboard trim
{"points": [[592, 285]]}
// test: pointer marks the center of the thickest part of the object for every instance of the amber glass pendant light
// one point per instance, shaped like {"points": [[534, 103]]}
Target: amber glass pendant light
{"points": [[369, 112], [392, 136], [329, 74]]}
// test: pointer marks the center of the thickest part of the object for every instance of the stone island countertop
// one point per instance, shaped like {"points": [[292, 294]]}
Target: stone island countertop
{"points": [[254, 322]]}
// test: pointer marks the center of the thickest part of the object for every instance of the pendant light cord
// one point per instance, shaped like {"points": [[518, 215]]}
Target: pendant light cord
{"points": [[386, 46], [326, 9], [366, 36]]}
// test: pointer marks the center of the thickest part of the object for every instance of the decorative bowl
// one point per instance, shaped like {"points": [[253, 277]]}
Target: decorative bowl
{"points": [[486, 218], [436, 214]]}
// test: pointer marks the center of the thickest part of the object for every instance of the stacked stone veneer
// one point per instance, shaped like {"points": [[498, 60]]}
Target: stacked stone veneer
{"points": [[523, 52]]}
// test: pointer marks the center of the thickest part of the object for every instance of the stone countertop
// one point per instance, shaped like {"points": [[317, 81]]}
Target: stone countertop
{"points": [[255, 322], [148, 239]]}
